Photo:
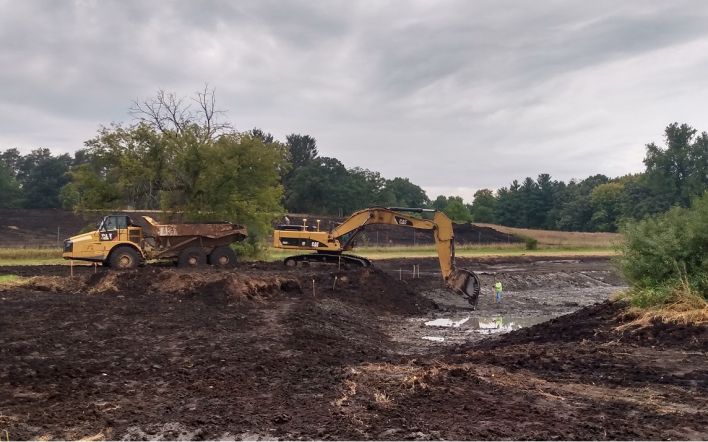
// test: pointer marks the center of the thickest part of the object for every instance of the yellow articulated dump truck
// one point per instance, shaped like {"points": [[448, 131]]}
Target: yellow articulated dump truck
{"points": [[120, 244]]}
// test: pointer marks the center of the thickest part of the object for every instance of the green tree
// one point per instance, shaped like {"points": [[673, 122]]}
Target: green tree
{"points": [[120, 168], [302, 149], [528, 214], [10, 196], [265, 137], [406, 194], [546, 192], [637, 198], [483, 206], [508, 205], [242, 184], [679, 172], [440, 202], [11, 158], [324, 186], [369, 188], [606, 200], [577, 210], [456, 210], [41, 176]]}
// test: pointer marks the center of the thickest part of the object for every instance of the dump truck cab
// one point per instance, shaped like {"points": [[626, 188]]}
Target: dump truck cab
{"points": [[96, 246]]}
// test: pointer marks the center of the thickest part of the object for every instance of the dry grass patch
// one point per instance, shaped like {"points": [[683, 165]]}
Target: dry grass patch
{"points": [[684, 306], [29, 253], [560, 239]]}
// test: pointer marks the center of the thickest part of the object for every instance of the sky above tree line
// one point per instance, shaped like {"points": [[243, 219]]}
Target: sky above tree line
{"points": [[455, 95]]}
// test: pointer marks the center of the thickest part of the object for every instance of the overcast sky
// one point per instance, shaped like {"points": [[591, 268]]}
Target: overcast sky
{"points": [[455, 95]]}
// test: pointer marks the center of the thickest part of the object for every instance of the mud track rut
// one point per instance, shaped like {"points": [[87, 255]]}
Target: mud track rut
{"points": [[254, 354]]}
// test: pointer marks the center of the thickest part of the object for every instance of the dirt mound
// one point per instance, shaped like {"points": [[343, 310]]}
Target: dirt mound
{"points": [[372, 288], [152, 281], [368, 287], [605, 322]]}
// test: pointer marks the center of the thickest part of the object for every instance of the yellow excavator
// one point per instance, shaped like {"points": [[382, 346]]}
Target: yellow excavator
{"points": [[330, 245]]}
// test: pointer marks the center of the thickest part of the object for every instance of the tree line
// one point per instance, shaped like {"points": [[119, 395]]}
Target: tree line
{"points": [[674, 175], [180, 155]]}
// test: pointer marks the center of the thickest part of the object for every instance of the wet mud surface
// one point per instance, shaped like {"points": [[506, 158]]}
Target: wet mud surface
{"points": [[267, 353]]}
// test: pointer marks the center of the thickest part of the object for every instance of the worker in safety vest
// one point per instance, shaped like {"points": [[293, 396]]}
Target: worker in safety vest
{"points": [[498, 291]]}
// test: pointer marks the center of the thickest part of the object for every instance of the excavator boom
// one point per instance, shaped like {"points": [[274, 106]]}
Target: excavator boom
{"points": [[330, 245]]}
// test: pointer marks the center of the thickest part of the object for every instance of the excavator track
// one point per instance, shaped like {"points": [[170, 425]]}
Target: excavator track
{"points": [[327, 258]]}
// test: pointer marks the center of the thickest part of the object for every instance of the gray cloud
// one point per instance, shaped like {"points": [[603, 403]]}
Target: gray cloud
{"points": [[456, 95]]}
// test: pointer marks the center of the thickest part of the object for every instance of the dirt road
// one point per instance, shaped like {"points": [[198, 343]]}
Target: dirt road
{"points": [[263, 352]]}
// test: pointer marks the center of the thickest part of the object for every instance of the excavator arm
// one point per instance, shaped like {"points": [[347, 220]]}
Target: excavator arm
{"points": [[341, 238]]}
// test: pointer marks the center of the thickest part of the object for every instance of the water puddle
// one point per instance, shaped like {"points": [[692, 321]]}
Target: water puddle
{"points": [[504, 324], [443, 322], [488, 324]]}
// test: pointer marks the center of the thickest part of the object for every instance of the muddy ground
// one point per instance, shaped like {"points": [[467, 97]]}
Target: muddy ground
{"points": [[258, 353]]}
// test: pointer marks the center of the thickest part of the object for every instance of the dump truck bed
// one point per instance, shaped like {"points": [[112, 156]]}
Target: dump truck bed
{"points": [[168, 240], [207, 230]]}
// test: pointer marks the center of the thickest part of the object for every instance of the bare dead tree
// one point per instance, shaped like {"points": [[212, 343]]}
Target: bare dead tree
{"points": [[211, 124], [166, 112]]}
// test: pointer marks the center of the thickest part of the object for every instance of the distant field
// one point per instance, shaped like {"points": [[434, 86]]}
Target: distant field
{"points": [[561, 239]]}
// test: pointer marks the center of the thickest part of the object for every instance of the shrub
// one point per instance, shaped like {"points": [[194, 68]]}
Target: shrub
{"points": [[253, 247], [531, 243], [663, 253]]}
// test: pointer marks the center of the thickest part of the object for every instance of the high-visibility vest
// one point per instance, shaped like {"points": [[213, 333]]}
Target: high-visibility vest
{"points": [[498, 287]]}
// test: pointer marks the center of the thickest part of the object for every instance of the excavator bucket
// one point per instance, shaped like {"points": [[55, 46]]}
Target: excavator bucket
{"points": [[467, 284]]}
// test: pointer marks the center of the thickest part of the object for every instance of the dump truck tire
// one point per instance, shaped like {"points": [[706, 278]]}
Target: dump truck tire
{"points": [[223, 257], [191, 257], [124, 258]]}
